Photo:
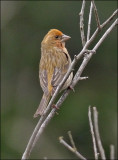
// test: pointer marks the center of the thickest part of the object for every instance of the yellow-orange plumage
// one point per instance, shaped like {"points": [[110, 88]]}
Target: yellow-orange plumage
{"points": [[54, 64]]}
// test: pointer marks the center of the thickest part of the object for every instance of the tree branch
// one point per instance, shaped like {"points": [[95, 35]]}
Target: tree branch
{"points": [[61, 140], [96, 15], [89, 21], [93, 134], [98, 139], [81, 14], [112, 152], [71, 140]]}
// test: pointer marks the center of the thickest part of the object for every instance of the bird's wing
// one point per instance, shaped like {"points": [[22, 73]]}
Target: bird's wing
{"points": [[44, 80], [58, 75]]}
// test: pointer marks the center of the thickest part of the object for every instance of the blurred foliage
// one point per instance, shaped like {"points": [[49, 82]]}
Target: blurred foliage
{"points": [[23, 26]]}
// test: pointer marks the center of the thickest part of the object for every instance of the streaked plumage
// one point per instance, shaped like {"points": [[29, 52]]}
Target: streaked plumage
{"points": [[54, 64]]}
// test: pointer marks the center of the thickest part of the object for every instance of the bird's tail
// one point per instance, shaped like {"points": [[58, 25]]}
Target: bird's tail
{"points": [[42, 106]]}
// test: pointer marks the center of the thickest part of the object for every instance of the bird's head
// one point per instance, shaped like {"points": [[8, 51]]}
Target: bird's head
{"points": [[54, 37]]}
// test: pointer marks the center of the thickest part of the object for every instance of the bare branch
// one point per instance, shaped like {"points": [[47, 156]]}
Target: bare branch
{"points": [[112, 152], [93, 134], [89, 21], [32, 138], [81, 14], [105, 34], [96, 15], [109, 19], [71, 140], [71, 149], [98, 139]]}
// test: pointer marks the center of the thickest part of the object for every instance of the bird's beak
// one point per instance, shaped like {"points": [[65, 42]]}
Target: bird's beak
{"points": [[65, 38]]}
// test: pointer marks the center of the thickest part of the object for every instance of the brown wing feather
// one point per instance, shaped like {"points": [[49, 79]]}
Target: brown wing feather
{"points": [[44, 81], [60, 70]]}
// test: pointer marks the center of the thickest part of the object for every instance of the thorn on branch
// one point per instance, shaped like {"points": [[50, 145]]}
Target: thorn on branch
{"points": [[87, 52], [86, 55], [75, 57], [90, 51], [83, 78], [80, 13]]}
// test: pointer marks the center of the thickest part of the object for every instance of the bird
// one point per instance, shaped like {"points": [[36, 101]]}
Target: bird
{"points": [[54, 63]]}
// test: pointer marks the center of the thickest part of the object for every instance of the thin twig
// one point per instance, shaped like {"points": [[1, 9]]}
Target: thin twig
{"points": [[96, 15], [71, 140], [31, 140], [89, 21], [71, 149], [98, 139], [83, 78], [40, 126], [106, 34], [112, 152], [81, 14], [109, 19], [93, 134]]}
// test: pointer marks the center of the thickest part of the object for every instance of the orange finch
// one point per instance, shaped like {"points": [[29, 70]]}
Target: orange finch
{"points": [[54, 64]]}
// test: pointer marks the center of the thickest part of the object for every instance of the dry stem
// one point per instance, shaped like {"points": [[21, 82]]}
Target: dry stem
{"points": [[96, 15], [81, 14], [93, 134], [112, 152], [89, 21], [61, 140], [98, 139]]}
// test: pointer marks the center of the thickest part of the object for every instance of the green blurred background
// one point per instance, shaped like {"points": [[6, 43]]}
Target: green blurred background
{"points": [[23, 25]]}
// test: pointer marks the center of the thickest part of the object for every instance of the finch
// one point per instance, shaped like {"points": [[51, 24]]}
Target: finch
{"points": [[54, 64]]}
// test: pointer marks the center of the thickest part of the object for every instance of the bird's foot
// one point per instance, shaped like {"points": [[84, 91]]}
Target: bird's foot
{"points": [[70, 87], [57, 108], [54, 106]]}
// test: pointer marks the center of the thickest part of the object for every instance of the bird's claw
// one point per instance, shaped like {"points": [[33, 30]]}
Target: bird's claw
{"points": [[54, 106], [70, 87], [57, 108]]}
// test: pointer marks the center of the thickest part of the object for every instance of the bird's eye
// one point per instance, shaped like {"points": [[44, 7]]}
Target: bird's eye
{"points": [[56, 37]]}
